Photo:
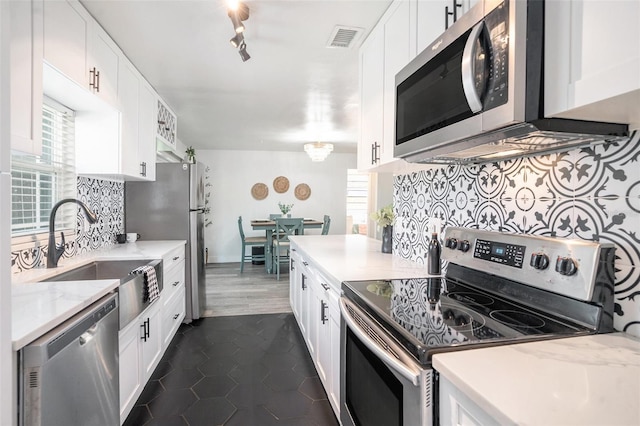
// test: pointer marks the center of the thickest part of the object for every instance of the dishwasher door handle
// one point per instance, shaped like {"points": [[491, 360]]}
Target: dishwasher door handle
{"points": [[88, 335]]}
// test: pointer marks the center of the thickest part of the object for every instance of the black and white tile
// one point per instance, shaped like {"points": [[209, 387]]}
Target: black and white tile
{"points": [[591, 193], [104, 197]]}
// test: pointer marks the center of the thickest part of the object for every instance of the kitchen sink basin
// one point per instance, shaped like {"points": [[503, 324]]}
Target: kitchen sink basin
{"points": [[131, 290]]}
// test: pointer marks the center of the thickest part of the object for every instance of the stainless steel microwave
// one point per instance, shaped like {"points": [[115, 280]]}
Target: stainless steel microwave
{"points": [[476, 94]]}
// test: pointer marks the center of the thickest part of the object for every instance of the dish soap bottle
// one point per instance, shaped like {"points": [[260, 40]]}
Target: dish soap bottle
{"points": [[434, 255]]}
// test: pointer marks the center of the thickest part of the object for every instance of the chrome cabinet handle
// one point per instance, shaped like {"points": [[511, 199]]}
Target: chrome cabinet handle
{"points": [[467, 68], [175, 317], [304, 278], [176, 258], [323, 314], [325, 286], [176, 283]]}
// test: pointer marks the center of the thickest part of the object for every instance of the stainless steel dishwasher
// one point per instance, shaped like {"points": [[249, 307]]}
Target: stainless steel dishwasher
{"points": [[69, 376]]}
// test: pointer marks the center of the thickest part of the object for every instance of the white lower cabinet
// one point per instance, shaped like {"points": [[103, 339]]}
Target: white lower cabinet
{"points": [[140, 351], [314, 301], [143, 341]]}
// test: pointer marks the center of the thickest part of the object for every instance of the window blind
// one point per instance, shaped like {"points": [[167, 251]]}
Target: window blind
{"points": [[38, 182]]}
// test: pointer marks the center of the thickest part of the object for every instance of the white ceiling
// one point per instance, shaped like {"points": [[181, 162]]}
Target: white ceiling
{"points": [[293, 90]]}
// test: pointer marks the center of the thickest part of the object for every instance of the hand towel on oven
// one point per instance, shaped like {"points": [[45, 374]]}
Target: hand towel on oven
{"points": [[151, 289]]}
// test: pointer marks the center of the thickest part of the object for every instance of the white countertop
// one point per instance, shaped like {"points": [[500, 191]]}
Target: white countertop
{"points": [[38, 307], [590, 380], [356, 257], [138, 250]]}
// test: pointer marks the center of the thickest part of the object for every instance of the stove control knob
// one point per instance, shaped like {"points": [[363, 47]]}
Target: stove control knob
{"points": [[539, 261], [464, 245], [451, 243], [566, 266]]}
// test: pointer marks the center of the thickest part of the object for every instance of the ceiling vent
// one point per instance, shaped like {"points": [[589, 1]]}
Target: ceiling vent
{"points": [[344, 37]]}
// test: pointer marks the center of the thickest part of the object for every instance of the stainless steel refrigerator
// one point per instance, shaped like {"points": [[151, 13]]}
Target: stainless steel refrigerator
{"points": [[172, 208]]}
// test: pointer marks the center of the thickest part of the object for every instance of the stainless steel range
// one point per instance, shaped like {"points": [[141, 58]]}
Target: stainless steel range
{"points": [[498, 289]]}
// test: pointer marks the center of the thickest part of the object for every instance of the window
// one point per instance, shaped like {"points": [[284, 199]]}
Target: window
{"points": [[357, 201], [38, 182]]}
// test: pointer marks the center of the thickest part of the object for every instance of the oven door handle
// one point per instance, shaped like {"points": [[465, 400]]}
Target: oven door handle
{"points": [[405, 369]]}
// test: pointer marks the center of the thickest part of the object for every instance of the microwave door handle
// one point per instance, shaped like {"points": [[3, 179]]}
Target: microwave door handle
{"points": [[468, 66]]}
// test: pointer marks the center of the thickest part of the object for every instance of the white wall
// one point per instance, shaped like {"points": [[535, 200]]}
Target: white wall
{"points": [[232, 175]]}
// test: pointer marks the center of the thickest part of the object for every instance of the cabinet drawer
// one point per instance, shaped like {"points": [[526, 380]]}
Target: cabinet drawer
{"points": [[172, 315], [173, 281], [173, 258]]}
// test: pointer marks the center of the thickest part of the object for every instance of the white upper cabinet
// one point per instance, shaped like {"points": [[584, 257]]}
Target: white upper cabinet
{"points": [[398, 51], [26, 46], [166, 127], [147, 130], [592, 60], [79, 48], [129, 105], [65, 39], [103, 65], [388, 48], [371, 104]]}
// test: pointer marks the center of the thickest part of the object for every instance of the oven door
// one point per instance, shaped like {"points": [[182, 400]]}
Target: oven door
{"points": [[380, 383]]}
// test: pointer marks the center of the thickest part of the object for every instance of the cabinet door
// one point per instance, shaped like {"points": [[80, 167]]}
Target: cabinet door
{"points": [[324, 341], [371, 98], [147, 132], [172, 316], [294, 275], [128, 100], [152, 341], [431, 21], [103, 65], [65, 39], [130, 368], [305, 300], [334, 370], [313, 329], [397, 34], [26, 50]]}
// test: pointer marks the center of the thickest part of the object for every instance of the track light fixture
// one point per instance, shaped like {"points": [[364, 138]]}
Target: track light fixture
{"points": [[239, 12]]}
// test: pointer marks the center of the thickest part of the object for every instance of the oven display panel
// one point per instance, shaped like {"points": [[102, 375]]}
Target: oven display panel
{"points": [[505, 254]]}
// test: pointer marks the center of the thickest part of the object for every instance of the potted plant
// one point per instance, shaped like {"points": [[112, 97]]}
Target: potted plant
{"points": [[191, 154], [385, 218], [285, 208]]}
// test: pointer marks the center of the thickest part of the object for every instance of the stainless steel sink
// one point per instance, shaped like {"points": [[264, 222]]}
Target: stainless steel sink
{"points": [[131, 290]]}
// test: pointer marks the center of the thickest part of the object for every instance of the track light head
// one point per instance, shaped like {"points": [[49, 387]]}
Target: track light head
{"points": [[243, 52], [237, 15], [237, 40]]}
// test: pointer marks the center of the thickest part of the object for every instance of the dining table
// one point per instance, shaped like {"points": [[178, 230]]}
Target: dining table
{"points": [[269, 226]]}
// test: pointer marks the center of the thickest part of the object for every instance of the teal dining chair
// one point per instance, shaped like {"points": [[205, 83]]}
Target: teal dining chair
{"points": [[325, 224], [250, 242], [285, 227]]}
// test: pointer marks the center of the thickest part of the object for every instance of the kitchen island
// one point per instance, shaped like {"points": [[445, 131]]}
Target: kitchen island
{"points": [[589, 380]]}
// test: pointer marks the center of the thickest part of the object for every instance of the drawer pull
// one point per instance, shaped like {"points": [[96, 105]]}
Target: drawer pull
{"points": [[305, 263], [176, 283], [176, 258], [325, 286], [175, 317]]}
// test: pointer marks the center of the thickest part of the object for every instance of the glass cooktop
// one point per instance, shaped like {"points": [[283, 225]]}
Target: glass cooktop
{"points": [[428, 315]]}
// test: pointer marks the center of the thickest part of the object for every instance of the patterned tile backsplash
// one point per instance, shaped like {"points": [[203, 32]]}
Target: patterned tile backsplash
{"points": [[106, 198], [591, 193]]}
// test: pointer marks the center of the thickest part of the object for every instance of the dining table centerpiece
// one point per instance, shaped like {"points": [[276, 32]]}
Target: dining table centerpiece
{"points": [[385, 218], [285, 209]]}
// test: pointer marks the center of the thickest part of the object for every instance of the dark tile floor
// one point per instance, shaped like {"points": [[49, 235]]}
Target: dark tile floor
{"points": [[249, 370]]}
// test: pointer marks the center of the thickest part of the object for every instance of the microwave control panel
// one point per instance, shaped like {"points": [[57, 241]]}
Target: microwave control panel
{"points": [[497, 30]]}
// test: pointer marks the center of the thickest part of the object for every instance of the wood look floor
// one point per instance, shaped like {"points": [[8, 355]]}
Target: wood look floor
{"points": [[253, 292]]}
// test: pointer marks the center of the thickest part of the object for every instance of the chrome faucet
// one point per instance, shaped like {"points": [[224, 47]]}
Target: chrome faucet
{"points": [[55, 251]]}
